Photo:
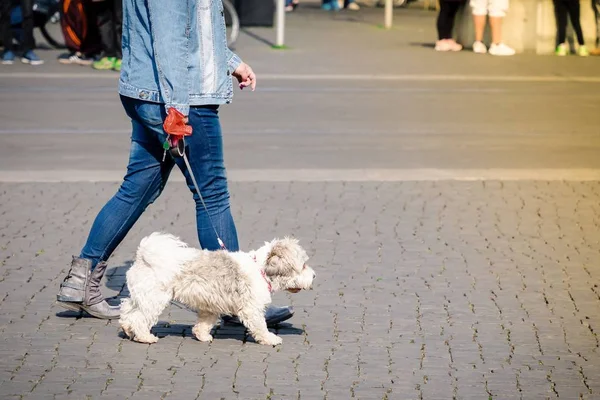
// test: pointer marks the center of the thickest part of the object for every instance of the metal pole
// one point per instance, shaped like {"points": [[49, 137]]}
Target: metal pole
{"points": [[280, 21], [389, 7]]}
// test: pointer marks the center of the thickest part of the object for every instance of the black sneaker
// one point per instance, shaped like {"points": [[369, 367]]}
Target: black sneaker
{"points": [[273, 316]]}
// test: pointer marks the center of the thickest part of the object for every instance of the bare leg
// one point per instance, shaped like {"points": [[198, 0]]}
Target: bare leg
{"points": [[205, 323], [496, 27], [479, 21], [254, 320]]}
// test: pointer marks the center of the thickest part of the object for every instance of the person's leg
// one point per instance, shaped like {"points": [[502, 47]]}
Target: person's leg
{"points": [[480, 11], [574, 10], [561, 21], [146, 177], [118, 26], [105, 24], [204, 149], [27, 11], [5, 31], [496, 29], [454, 7], [444, 23], [498, 9], [91, 45], [596, 8], [106, 27]]}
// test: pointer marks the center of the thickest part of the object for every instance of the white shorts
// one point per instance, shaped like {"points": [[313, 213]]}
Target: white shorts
{"points": [[493, 8]]}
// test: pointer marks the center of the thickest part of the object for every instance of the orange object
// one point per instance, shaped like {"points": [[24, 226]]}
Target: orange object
{"points": [[175, 124]]}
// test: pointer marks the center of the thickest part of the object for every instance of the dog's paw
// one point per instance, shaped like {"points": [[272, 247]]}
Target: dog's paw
{"points": [[127, 331], [204, 338], [200, 333], [271, 340], [146, 339]]}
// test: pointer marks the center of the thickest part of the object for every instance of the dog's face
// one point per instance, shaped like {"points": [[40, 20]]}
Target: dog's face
{"points": [[286, 266]]}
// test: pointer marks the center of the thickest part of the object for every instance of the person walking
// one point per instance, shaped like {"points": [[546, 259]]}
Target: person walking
{"points": [[176, 72]]}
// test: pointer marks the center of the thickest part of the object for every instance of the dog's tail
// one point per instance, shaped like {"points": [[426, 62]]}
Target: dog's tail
{"points": [[164, 252]]}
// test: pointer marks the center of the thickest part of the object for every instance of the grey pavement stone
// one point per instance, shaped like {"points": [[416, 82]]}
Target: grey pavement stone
{"points": [[434, 313]]}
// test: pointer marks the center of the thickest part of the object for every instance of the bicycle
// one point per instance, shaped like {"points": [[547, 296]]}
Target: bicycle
{"points": [[232, 23]]}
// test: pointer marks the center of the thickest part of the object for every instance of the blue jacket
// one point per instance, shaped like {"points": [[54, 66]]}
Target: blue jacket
{"points": [[175, 52]]}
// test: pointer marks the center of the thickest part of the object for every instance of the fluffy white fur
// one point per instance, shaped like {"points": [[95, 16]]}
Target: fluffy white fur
{"points": [[210, 282]]}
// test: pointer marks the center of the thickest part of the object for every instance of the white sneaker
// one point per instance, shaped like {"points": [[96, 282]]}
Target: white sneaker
{"points": [[442, 45], [501, 49], [447, 45], [479, 48]]}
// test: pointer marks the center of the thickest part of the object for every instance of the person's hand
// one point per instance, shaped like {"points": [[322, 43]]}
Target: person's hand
{"points": [[245, 76]]}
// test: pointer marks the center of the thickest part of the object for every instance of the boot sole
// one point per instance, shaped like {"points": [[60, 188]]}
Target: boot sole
{"points": [[79, 307], [97, 315], [70, 306]]}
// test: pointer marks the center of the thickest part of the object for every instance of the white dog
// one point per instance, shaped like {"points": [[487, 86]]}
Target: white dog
{"points": [[211, 283]]}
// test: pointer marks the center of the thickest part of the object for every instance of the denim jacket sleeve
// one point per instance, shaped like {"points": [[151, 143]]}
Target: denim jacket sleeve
{"points": [[171, 50], [233, 60]]}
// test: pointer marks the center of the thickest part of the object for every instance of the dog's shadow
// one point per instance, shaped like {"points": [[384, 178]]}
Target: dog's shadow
{"points": [[220, 332]]}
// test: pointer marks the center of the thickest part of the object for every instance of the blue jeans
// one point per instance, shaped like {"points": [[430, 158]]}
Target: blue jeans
{"points": [[147, 176]]}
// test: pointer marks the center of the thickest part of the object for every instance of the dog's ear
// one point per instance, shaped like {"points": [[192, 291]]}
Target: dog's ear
{"points": [[281, 258]]}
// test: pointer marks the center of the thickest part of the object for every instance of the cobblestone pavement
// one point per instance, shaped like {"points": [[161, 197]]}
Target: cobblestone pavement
{"points": [[424, 290], [432, 290]]}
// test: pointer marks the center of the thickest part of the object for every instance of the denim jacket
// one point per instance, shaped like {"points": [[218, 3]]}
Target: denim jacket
{"points": [[175, 53]]}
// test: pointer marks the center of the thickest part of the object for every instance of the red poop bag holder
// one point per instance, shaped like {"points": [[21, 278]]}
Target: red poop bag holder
{"points": [[175, 126]]}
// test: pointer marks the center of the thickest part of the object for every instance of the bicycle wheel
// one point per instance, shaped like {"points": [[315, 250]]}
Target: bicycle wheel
{"points": [[46, 17], [52, 40], [232, 22]]}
